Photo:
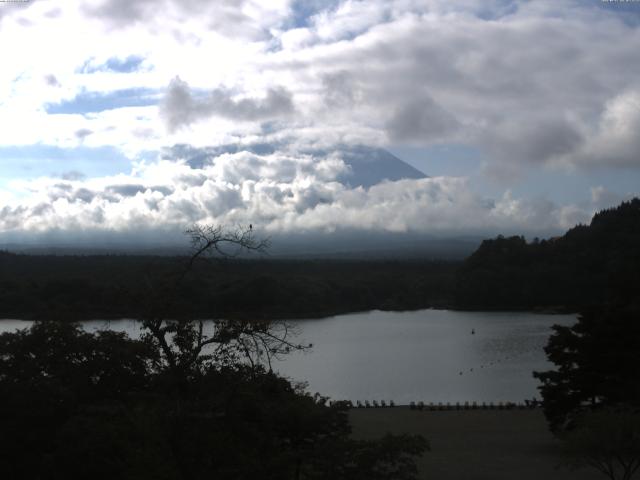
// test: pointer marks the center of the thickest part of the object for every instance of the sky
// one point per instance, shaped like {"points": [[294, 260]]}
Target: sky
{"points": [[134, 120]]}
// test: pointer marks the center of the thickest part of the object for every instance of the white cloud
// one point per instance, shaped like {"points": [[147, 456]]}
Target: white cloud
{"points": [[615, 141], [533, 84], [539, 83], [278, 193], [602, 198], [180, 108]]}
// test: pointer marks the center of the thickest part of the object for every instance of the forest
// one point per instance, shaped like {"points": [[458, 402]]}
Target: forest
{"points": [[588, 265], [106, 287]]}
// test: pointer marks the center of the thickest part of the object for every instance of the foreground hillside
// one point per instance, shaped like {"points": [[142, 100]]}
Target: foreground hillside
{"points": [[589, 265]]}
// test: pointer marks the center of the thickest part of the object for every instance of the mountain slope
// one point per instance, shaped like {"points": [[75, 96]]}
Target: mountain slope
{"points": [[370, 166], [367, 165], [589, 265]]}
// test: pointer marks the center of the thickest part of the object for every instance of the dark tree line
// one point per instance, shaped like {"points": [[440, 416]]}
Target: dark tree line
{"points": [[587, 267], [84, 287], [592, 397]]}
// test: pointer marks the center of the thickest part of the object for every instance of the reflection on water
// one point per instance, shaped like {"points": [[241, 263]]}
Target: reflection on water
{"points": [[429, 355]]}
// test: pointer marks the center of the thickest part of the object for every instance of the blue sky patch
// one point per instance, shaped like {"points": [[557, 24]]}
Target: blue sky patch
{"points": [[114, 64], [502, 8], [32, 161], [438, 160], [303, 10], [91, 102]]}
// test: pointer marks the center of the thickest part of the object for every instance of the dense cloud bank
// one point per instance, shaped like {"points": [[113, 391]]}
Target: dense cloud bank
{"points": [[527, 86], [542, 83], [279, 193]]}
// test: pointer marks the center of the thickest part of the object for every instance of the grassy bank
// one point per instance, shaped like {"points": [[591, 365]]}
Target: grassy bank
{"points": [[475, 444]]}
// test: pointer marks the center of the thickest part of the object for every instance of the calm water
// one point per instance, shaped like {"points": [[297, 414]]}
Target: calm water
{"points": [[428, 355]]}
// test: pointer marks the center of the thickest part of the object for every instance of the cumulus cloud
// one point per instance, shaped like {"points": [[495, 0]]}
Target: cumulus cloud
{"points": [[51, 80], [279, 193], [235, 18], [121, 12], [518, 82], [339, 90], [73, 175], [420, 120], [180, 107], [544, 139], [615, 140], [524, 82], [526, 85], [604, 198], [83, 133]]}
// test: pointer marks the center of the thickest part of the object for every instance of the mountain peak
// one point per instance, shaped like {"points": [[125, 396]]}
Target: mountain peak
{"points": [[370, 166]]}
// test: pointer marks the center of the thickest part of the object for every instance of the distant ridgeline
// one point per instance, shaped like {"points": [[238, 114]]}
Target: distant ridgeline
{"points": [[589, 265]]}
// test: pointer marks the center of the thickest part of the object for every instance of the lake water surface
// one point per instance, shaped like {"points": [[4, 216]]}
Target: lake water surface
{"points": [[428, 355]]}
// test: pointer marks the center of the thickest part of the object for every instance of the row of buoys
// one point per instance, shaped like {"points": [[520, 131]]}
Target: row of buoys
{"points": [[490, 364]]}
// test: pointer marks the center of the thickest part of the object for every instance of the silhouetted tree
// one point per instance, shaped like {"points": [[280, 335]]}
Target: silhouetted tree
{"points": [[54, 376], [596, 365], [186, 346]]}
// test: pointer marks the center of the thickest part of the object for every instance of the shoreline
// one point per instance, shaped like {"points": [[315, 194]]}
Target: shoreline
{"points": [[319, 316]]}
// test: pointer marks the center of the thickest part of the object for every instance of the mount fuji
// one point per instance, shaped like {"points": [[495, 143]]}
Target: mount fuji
{"points": [[367, 166]]}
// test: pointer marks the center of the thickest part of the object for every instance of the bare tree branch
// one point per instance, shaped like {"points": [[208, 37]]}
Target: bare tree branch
{"points": [[184, 343]]}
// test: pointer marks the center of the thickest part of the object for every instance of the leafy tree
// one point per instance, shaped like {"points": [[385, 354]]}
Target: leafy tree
{"points": [[596, 365], [55, 374], [592, 399]]}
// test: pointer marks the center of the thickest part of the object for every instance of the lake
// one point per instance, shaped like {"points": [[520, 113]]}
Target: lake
{"points": [[425, 355]]}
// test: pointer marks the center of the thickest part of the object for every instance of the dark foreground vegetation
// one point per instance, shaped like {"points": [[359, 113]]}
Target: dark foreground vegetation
{"points": [[102, 406], [585, 267], [588, 266], [591, 399], [183, 402]]}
